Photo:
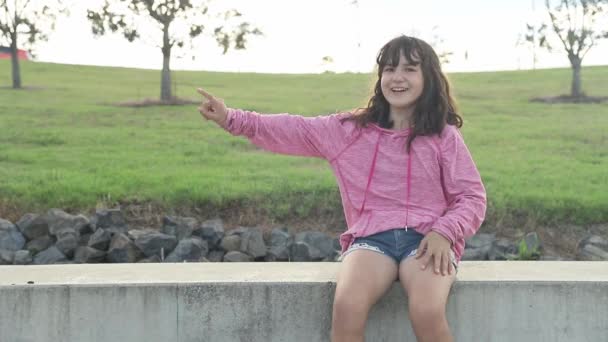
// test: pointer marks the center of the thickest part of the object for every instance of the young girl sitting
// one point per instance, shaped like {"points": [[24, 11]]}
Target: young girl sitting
{"points": [[410, 190]]}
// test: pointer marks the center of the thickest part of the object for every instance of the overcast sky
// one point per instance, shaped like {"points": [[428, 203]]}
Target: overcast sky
{"points": [[299, 33]]}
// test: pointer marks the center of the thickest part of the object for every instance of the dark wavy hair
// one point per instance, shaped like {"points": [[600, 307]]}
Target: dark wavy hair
{"points": [[434, 108]]}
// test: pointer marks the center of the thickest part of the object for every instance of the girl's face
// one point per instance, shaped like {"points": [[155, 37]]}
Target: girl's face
{"points": [[402, 85]]}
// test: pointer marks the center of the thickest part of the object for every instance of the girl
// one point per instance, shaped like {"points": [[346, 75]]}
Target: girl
{"points": [[411, 192]]}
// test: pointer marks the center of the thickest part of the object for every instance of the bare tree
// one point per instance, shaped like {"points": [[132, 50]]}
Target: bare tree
{"points": [[575, 24], [534, 37], [26, 19], [437, 43], [177, 21], [327, 61]]}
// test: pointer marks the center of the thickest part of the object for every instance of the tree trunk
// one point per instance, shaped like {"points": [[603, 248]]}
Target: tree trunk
{"points": [[15, 62], [576, 88], [165, 84]]}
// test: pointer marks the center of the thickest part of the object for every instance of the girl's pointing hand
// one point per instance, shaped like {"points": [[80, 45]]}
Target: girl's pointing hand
{"points": [[213, 108]]}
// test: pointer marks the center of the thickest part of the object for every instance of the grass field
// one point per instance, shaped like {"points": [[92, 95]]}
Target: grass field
{"points": [[64, 144]]}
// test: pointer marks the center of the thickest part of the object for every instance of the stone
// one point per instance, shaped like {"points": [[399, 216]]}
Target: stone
{"points": [[67, 242], [593, 253], [236, 256], [156, 243], [123, 250], [190, 249], [112, 220], [480, 253], [336, 244], [211, 231], [39, 244], [594, 240], [280, 237], [23, 257], [152, 259], [58, 221], [532, 242], [6, 257], [115, 230], [180, 227], [252, 243], [478, 246], [280, 245], [100, 240], [319, 241], [105, 218], [312, 246], [529, 248], [51, 255], [503, 249], [10, 237], [215, 256], [83, 240], [33, 226], [480, 240], [231, 243], [88, 255], [302, 251], [237, 231], [134, 234]]}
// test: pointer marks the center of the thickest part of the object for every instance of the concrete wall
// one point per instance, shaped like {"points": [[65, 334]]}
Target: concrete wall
{"points": [[491, 301]]}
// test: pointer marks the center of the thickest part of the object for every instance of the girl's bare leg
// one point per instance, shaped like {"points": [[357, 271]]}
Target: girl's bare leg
{"points": [[427, 296], [364, 277]]}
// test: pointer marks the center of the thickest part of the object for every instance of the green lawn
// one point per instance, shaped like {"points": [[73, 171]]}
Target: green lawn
{"points": [[62, 143]]}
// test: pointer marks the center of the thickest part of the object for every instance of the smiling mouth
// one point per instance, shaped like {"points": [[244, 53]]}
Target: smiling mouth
{"points": [[399, 89]]}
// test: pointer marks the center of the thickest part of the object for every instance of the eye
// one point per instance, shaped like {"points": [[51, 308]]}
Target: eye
{"points": [[389, 69], [411, 69]]}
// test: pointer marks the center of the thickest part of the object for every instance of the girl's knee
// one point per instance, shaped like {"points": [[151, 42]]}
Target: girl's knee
{"points": [[348, 307], [349, 313], [426, 313]]}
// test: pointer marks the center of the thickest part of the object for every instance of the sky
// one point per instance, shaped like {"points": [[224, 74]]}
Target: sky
{"points": [[481, 34]]}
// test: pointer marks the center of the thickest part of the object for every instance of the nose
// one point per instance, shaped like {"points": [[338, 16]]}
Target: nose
{"points": [[399, 75]]}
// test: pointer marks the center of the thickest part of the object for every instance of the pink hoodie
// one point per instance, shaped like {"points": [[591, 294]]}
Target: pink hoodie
{"points": [[435, 188]]}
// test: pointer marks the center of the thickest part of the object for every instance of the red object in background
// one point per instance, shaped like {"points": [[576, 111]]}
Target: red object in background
{"points": [[5, 53]]}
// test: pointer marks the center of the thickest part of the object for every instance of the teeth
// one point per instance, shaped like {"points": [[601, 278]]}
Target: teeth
{"points": [[398, 89]]}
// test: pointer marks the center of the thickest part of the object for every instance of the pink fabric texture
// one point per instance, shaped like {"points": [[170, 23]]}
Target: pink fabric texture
{"points": [[434, 188]]}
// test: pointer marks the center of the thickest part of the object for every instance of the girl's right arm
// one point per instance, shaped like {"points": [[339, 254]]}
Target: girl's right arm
{"points": [[320, 136]]}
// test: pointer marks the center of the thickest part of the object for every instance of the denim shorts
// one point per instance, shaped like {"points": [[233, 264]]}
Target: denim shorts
{"points": [[397, 243]]}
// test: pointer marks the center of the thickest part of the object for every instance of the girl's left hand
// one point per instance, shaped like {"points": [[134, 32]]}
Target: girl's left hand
{"points": [[436, 248]]}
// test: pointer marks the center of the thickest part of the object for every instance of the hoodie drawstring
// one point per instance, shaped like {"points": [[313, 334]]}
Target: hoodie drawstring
{"points": [[408, 181]]}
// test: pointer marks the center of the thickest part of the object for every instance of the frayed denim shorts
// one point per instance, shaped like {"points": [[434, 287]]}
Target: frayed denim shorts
{"points": [[397, 243]]}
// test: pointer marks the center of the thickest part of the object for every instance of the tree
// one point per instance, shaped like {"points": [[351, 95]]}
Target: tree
{"points": [[19, 18], [326, 62], [574, 22], [171, 18], [437, 44], [534, 36]]}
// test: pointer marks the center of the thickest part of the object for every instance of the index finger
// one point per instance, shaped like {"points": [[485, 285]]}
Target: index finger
{"points": [[426, 259], [205, 94]]}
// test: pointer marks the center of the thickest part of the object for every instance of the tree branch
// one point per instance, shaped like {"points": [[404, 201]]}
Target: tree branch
{"points": [[9, 18], [556, 27], [22, 9]]}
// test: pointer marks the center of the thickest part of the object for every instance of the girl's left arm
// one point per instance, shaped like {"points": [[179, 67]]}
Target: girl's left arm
{"points": [[319, 136], [463, 189]]}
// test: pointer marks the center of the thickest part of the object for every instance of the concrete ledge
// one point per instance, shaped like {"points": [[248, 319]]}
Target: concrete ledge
{"points": [[491, 301]]}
